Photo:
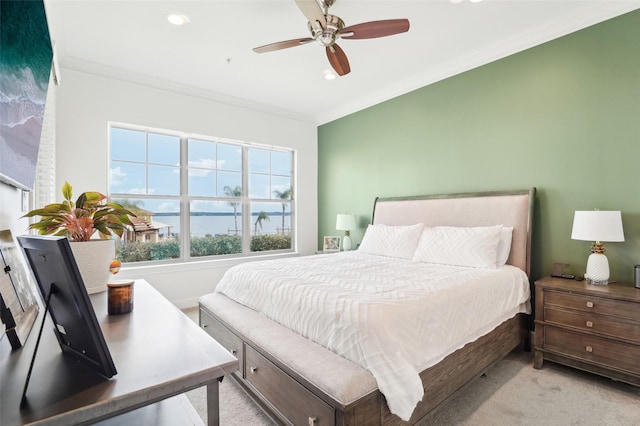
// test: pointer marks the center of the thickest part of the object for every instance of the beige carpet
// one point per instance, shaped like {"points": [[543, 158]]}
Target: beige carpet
{"points": [[511, 393]]}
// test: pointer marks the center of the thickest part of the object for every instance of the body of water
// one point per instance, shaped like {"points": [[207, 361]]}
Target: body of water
{"points": [[25, 65], [221, 224]]}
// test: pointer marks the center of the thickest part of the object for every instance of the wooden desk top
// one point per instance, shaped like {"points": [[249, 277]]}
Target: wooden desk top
{"points": [[157, 350]]}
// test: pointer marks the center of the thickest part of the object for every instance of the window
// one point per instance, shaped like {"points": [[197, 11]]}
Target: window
{"points": [[196, 197]]}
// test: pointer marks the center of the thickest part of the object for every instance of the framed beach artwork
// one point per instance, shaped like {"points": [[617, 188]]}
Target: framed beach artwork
{"points": [[26, 57], [331, 244]]}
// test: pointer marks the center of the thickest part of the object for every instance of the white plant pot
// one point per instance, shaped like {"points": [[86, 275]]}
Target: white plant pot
{"points": [[94, 260]]}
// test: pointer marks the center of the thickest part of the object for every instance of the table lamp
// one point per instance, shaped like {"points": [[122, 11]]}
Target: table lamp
{"points": [[346, 222], [598, 226]]}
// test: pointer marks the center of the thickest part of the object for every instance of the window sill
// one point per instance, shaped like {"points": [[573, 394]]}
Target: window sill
{"points": [[195, 265]]}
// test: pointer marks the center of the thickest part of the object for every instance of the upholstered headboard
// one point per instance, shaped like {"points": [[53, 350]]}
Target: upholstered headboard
{"points": [[508, 208]]}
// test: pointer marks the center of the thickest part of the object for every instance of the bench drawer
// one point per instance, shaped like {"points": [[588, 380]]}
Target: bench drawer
{"points": [[224, 336], [294, 401]]}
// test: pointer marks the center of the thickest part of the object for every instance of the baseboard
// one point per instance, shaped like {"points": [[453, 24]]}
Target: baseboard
{"points": [[191, 302]]}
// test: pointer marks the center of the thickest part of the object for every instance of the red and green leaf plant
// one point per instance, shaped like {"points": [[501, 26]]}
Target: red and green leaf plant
{"points": [[80, 220]]}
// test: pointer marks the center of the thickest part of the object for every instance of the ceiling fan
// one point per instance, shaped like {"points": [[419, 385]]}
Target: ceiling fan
{"points": [[326, 29]]}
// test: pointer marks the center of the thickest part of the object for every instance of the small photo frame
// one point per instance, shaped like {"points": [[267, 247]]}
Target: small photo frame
{"points": [[18, 304], [331, 244]]}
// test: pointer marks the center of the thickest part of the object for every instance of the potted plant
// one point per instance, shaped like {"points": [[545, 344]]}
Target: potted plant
{"points": [[80, 221]]}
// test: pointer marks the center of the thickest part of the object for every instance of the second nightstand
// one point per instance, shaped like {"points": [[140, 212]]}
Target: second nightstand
{"points": [[593, 328]]}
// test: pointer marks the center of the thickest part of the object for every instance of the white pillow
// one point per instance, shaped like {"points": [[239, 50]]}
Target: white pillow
{"points": [[476, 247], [391, 241], [504, 245]]}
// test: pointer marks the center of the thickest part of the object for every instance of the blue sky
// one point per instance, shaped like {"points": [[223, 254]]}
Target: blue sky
{"points": [[212, 166]]}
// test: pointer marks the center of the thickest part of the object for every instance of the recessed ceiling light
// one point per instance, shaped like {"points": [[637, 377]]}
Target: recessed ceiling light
{"points": [[329, 75], [178, 19]]}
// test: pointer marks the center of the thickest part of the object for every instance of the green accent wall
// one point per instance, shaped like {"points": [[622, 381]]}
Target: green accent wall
{"points": [[563, 117]]}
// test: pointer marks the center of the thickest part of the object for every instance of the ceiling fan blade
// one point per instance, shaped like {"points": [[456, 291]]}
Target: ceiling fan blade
{"points": [[312, 11], [375, 29], [338, 59], [282, 45]]}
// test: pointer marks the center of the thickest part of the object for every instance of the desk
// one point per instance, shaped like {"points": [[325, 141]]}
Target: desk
{"points": [[158, 351]]}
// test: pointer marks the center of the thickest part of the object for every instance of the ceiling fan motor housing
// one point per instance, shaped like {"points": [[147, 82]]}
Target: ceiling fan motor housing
{"points": [[326, 36]]}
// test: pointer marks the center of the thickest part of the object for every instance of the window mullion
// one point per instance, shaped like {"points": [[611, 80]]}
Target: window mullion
{"points": [[246, 205], [185, 207]]}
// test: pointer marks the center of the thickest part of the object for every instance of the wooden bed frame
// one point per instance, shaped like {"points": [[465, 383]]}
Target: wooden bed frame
{"points": [[278, 367]]}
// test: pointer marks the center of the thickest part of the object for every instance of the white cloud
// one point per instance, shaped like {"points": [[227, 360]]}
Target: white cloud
{"points": [[137, 191], [117, 176], [200, 172], [168, 207]]}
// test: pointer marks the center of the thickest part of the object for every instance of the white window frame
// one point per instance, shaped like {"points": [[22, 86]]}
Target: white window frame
{"points": [[185, 199]]}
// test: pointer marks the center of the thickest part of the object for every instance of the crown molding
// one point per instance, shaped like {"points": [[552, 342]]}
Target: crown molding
{"points": [[119, 74]]}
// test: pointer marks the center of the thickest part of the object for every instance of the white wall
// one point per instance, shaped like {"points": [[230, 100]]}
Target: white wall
{"points": [[11, 210], [85, 105]]}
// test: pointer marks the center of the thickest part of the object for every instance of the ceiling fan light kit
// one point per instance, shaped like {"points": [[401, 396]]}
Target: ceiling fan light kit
{"points": [[326, 29]]}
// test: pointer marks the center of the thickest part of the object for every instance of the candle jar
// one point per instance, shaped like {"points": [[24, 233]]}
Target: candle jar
{"points": [[120, 297]]}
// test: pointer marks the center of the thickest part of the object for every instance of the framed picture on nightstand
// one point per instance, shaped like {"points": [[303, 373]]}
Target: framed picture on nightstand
{"points": [[331, 244]]}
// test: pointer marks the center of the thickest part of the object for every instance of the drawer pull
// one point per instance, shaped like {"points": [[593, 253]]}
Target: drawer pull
{"points": [[234, 352], [588, 349], [253, 370], [205, 325], [312, 421], [589, 324], [589, 304]]}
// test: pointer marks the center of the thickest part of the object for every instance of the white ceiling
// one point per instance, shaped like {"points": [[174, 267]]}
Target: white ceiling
{"points": [[212, 56]]}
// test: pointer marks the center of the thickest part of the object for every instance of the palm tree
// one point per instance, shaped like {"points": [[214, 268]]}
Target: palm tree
{"points": [[262, 216], [234, 193], [283, 195]]}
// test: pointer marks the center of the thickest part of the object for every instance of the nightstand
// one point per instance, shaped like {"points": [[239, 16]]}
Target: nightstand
{"points": [[589, 327]]}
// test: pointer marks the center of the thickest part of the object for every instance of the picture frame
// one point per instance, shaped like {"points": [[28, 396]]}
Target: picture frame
{"points": [[331, 244], [18, 304]]}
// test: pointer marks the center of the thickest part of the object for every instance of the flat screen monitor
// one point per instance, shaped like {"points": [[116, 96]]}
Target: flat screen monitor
{"points": [[75, 324]]}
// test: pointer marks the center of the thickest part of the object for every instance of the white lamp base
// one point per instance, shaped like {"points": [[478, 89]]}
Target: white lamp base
{"points": [[346, 243], [597, 269]]}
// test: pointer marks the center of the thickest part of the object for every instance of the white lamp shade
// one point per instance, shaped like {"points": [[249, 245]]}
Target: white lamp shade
{"points": [[345, 222], [597, 225]]}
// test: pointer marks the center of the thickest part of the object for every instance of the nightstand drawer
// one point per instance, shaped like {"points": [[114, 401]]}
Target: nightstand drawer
{"points": [[601, 324], [593, 349], [598, 305]]}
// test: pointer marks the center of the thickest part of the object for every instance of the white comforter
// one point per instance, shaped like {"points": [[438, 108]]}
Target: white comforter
{"points": [[394, 317]]}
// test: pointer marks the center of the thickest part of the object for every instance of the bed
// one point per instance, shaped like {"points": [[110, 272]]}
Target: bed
{"points": [[401, 349]]}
